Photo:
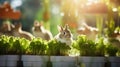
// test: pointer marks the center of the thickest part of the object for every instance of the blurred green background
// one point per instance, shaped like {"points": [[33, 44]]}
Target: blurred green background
{"points": [[96, 13]]}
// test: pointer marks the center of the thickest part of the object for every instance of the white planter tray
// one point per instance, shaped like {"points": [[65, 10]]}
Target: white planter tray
{"points": [[34, 60], [8, 60], [63, 61], [115, 61], [92, 61], [57, 61]]}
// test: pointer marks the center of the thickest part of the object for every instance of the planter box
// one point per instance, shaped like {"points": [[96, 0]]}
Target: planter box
{"points": [[28, 60], [63, 61], [92, 61], [115, 61], [8, 60], [34, 60], [57, 61]]}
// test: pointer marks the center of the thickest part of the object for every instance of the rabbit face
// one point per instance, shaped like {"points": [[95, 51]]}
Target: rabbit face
{"points": [[65, 32], [37, 27]]}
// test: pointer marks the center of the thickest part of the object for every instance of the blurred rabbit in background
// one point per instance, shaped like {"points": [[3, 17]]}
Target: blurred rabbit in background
{"points": [[40, 32], [89, 31], [5, 28], [18, 32]]}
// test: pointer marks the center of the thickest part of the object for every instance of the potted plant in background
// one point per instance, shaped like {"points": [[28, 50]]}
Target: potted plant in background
{"points": [[90, 54], [14, 50], [4, 47], [36, 53], [111, 51], [58, 53], [18, 47], [28, 53], [112, 43]]}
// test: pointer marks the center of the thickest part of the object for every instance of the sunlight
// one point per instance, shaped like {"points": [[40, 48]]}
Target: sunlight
{"points": [[93, 1], [62, 13], [114, 10]]}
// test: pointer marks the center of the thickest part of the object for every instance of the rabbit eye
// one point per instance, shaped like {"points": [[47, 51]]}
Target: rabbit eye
{"points": [[63, 32]]}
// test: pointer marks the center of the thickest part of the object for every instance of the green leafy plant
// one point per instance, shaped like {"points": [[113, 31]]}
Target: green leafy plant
{"points": [[57, 48], [24, 44], [4, 45], [53, 48], [85, 46], [13, 45], [18, 45], [111, 50], [64, 49], [37, 47], [100, 47], [109, 31]]}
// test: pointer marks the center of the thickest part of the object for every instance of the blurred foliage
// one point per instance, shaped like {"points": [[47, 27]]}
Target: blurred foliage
{"points": [[110, 28], [37, 47], [111, 50], [100, 47], [85, 46], [57, 48], [4, 45], [15, 46], [117, 29]]}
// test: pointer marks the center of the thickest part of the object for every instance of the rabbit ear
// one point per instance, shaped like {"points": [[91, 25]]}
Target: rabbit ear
{"points": [[60, 28], [66, 27]]}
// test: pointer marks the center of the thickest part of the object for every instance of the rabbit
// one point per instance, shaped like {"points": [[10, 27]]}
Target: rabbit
{"points": [[6, 28], [89, 31], [40, 32], [64, 35], [18, 32]]}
